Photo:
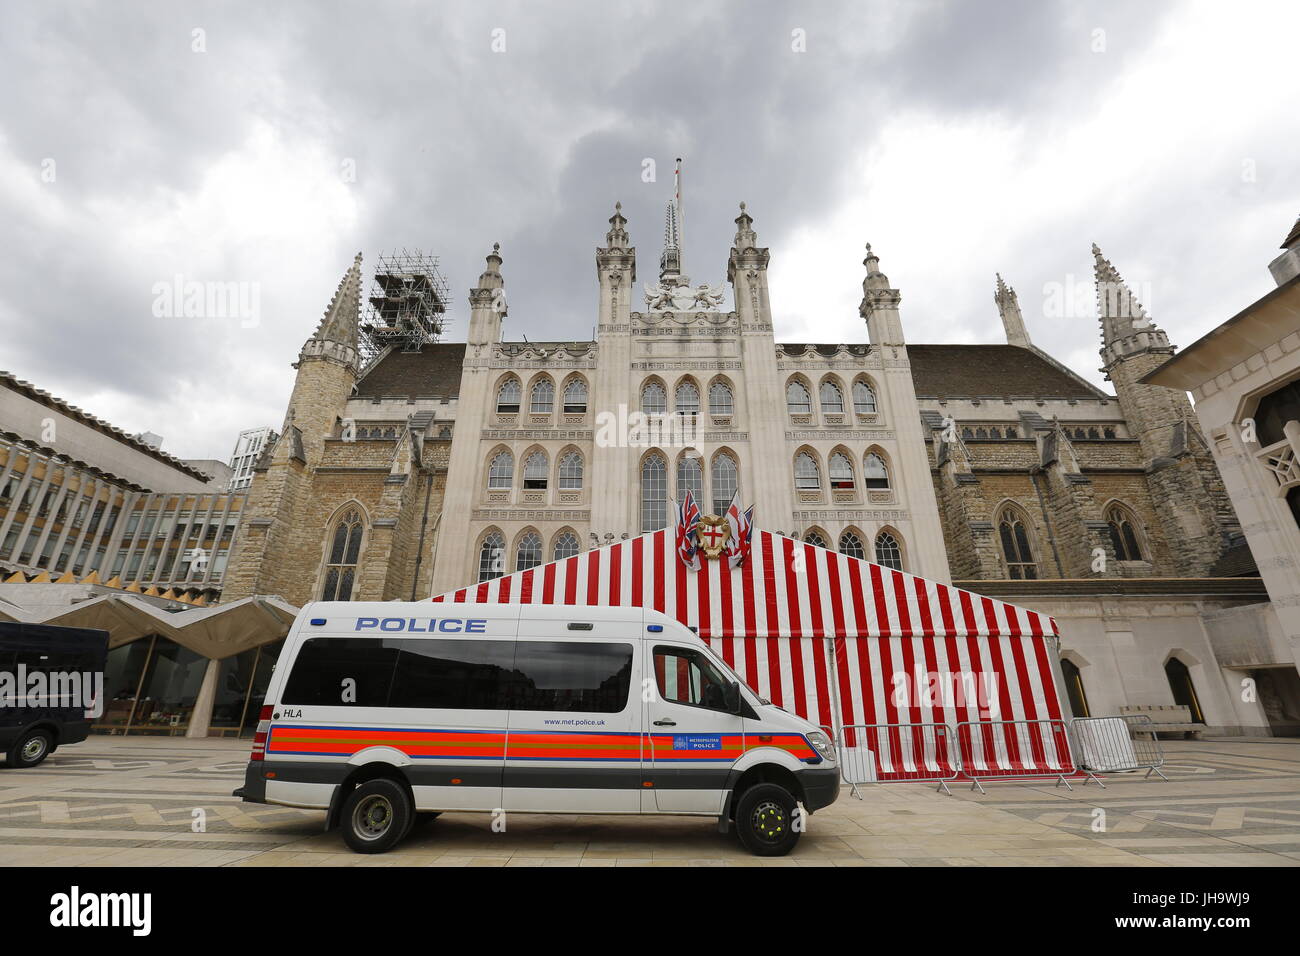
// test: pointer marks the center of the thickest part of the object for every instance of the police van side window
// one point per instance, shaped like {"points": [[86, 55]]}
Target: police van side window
{"points": [[571, 677], [458, 675], [341, 671], [685, 676]]}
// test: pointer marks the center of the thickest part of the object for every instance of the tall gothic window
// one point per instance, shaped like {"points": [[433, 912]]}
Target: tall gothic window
{"points": [[535, 471], [864, 399], [1122, 536], [875, 474], [726, 482], [797, 399], [542, 401], [345, 548], [841, 471], [575, 397], [529, 552], [814, 538], [508, 396], [720, 399], [1014, 535], [571, 471], [687, 399], [851, 545], [832, 398], [566, 546], [492, 556], [654, 493], [806, 475], [654, 400], [690, 477], [501, 473], [889, 553]]}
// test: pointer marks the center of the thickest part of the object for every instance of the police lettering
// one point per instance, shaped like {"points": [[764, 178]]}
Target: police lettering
{"points": [[445, 625]]}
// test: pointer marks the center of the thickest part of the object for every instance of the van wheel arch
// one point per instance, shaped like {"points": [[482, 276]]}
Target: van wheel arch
{"points": [[360, 775], [763, 773]]}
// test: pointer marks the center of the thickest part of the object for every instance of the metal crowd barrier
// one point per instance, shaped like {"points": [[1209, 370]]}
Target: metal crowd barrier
{"points": [[902, 753], [1013, 749], [1116, 745]]}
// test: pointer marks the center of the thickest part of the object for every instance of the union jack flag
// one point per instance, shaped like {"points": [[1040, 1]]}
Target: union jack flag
{"points": [[688, 514], [742, 530]]}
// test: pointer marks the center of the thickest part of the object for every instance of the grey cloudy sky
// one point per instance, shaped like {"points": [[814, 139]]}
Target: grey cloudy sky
{"points": [[959, 139]]}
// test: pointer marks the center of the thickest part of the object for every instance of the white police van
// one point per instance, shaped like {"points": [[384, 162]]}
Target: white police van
{"points": [[386, 713]]}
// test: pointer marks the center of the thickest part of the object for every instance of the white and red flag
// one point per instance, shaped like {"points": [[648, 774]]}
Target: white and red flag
{"points": [[688, 515], [742, 530]]}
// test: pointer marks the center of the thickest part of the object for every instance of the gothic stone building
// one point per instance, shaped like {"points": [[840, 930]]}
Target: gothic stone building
{"points": [[992, 465]]}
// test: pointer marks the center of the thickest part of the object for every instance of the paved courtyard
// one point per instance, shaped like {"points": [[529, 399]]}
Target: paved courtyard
{"points": [[134, 801]]}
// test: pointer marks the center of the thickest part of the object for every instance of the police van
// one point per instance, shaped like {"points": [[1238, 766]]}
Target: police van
{"points": [[388, 714]]}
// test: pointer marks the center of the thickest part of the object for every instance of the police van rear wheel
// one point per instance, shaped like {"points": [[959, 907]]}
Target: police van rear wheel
{"points": [[31, 748], [376, 816], [765, 820]]}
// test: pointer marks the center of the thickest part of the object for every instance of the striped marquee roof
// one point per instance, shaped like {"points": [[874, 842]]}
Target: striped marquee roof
{"points": [[786, 589]]}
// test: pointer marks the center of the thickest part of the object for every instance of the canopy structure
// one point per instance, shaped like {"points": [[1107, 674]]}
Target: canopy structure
{"points": [[902, 648]]}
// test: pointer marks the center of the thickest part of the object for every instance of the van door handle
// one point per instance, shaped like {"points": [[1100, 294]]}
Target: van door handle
{"points": [[665, 722]]}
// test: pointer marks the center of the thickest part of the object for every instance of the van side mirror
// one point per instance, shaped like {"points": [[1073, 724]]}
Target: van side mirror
{"points": [[731, 697]]}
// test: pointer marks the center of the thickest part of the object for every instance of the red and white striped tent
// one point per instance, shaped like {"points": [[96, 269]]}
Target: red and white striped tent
{"points": [[902, 649]]}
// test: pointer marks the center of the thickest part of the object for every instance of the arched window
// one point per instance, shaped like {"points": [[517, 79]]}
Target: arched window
{"points": [[1123, 537], [1074, 687], [654, 493], [654, 400], [1019, 556], [726, 482], [566, 546], [874, 472], [508, 396], [501, 473], [889, 553], [687, 399], [1180, 682], [575, 397], [851, 545], [981, 433], [841, 471], [1108, 432], [542, 401], [720, 399], [1093, 433], [492, 556], [967, 434], [535, 472], [570, 471], [797, 399], [345, 549], [690, 477], [832, 398], [814, 538], [864, 399], [528, 553], [807, 477]]}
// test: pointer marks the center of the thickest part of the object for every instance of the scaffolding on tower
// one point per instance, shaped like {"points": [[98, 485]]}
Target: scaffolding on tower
{"points": [[408, 303]]}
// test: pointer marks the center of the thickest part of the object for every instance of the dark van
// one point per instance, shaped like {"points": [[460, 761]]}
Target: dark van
{"points": [[50, 677]]}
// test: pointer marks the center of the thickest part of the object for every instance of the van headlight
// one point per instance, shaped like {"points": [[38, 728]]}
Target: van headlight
{"points": [[822, 744]]}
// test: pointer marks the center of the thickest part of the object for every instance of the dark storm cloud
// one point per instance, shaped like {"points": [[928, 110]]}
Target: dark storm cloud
{"points": [[455, 147]]}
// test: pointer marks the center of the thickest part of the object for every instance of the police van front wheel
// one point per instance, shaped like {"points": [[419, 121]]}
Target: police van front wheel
{"points": [[376, 815], [31, 748], [765, 820]]}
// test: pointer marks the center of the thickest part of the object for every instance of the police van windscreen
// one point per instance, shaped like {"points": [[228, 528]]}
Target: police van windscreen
{"points": [[585, 677]]}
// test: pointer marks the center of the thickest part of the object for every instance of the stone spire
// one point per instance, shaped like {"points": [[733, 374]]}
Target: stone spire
{"points": [[617, 237], [487, 302], [1009, 309], [339, 323], [670, 262], [1126, 329], [746, 237], [880, 303]]}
